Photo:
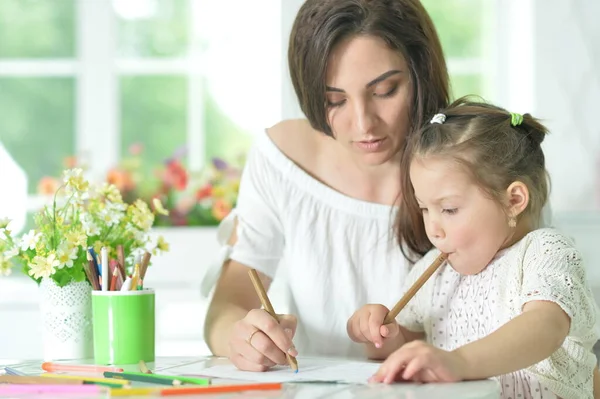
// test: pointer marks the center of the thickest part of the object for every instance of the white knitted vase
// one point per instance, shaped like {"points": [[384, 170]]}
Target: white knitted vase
{"points": [[66, 320]]}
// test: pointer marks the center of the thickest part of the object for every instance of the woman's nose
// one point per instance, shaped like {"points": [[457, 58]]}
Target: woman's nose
{"points": [[365, 118]]}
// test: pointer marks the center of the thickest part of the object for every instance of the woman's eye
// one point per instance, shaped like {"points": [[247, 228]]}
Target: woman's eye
{"points": [[335, 103], [388, 93], [335, 99]]}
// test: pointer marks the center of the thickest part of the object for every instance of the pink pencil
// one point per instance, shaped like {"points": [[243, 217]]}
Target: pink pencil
{"points": [[16, 388], [50, 367]]}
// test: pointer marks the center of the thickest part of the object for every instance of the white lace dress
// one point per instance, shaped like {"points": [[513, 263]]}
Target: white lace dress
{"points": [[454, 310]]}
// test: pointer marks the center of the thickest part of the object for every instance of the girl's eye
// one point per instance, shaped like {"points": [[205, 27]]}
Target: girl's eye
{"points": [[424, 210], [450, 211]]}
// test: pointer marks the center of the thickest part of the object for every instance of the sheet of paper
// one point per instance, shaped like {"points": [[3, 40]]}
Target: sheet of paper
{"points": [[309, 370]]}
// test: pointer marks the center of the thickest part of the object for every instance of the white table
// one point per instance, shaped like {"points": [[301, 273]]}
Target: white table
{"points": [[487, 389]]}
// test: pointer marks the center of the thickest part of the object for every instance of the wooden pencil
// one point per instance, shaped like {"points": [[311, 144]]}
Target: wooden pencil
{"points": [[391, 316], [35, 380], [144, 368], [144, 265], [264, 299], [121, 261], [95, 278]]}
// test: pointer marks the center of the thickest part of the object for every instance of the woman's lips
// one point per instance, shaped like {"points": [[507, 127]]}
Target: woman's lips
{"points": [[373, 145]]}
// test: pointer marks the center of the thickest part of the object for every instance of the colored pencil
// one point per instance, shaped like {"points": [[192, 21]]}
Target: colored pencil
{"points": [[86, 368], [85, 379], [144, 266], [264, 299], [26, 380], [141, 377], [176, 379], [11, 371], [219, 389], [143, 368], [391, 316], [93, 268], [134, 391], [121, 261], [105, 270], [48, 389], [175, 391]]}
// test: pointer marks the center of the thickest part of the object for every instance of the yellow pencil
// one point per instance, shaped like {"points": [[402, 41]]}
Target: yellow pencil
{"points": [[133, 391], [135, 277], [88, 379]]}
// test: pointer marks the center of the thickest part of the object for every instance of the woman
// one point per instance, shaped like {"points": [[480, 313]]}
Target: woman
{"points": [[320, 195]]}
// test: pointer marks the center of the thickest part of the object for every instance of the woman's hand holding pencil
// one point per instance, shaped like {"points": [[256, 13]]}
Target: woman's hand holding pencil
{"points": [[260, 340]]}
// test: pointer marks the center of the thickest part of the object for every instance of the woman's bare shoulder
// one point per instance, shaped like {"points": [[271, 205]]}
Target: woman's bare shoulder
{"points": [[298, 141]]}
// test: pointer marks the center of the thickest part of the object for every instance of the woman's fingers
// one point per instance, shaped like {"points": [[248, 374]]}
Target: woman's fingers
{"points": [[256, 356], [272, 329], [242, 363], [289, 323]]}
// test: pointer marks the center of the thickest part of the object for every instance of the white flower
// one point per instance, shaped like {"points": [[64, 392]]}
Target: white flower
{"points": [[116, 206], [111, 192], [92, 230], [74, 180], [4, 223], [109, 216], [11, 253], [43, 267], [66, 254], [89, 227], [30, 240], [5, 266]]}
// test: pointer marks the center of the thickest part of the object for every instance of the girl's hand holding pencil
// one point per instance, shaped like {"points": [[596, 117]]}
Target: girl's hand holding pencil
{"points": [[367, 326]]}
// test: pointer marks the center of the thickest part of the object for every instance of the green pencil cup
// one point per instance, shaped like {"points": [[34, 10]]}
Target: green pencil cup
{"points": [[124, 326]]}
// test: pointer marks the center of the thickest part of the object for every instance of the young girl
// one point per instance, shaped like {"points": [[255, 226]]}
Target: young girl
{"points": [[512, 301]]}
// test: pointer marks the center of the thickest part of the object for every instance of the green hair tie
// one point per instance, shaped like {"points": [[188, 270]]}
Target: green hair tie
{"points": [[516, 119]]}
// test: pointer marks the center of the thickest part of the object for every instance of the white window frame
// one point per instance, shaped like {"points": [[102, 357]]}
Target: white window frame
{"points": [[97, 70]]}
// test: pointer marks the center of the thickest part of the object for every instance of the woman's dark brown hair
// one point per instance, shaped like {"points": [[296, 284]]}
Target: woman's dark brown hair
{"points": [[403, 24], [481, 138]]}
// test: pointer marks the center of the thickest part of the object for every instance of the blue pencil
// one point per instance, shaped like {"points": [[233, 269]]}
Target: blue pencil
{"points": [[95, 259], [11, 371]]}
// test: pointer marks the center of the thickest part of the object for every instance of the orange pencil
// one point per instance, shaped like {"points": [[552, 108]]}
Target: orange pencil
{"points": [[219, 389], [51, 367], [113, 282]]}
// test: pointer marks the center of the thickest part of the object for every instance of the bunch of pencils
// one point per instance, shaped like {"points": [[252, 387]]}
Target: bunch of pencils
{"points": [[105, 274], [114, 381]]}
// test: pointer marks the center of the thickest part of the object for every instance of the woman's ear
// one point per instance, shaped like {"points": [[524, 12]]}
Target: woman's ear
{"points": [[517, 195]]}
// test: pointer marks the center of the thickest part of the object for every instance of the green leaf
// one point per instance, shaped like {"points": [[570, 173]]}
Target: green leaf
{"points": [[62, 277]]}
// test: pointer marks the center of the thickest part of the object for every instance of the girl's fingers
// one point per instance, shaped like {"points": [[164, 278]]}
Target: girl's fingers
{"points": [[374, 325]]}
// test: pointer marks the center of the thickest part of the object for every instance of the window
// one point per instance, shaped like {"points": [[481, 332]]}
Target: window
{"points": [[464, 30], [91, 78]]}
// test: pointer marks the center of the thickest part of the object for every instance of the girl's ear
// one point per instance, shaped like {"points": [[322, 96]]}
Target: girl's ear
{"points": [[517, 195]]}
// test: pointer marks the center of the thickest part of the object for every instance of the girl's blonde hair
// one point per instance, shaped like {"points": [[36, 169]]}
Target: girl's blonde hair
{"points": [[494, 151]]}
